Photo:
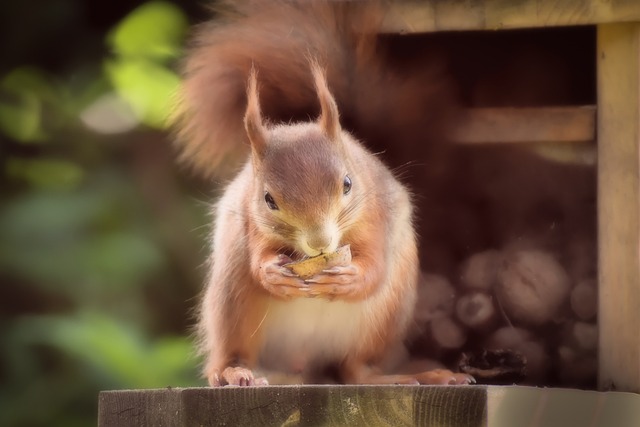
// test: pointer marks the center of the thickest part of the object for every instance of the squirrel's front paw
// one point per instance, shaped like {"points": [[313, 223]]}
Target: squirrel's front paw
{"points": [[236, 376], [280, 281], [342, 282]]}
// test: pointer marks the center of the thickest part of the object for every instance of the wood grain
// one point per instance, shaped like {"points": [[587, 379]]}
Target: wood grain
{"points": [[619, 205], [368, 406], [296, 405], [412, 16], [531, 406], [523, 125]]}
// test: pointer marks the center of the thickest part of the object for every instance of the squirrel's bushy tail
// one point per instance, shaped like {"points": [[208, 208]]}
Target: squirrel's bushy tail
{"points": [[278, 38]]}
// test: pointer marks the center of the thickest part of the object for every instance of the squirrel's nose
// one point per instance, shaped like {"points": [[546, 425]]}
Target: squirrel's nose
{"points": [[319, 242], [323, 238]]}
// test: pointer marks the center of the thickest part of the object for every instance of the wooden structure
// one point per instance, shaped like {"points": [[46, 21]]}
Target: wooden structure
{"points": [[418, 16], [617, 129], [618, 205], [615, 123], [458, 406], [527, 125]]}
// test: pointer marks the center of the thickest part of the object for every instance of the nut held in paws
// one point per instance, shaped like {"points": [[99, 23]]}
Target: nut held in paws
{"points": [[311, 266]]}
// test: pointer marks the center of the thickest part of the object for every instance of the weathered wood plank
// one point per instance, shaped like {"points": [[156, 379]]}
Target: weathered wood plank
{"points": [[140, 408], [412, 16], [514, 125], [368, 406], [531, 406], [296, 405], [619, 205]]}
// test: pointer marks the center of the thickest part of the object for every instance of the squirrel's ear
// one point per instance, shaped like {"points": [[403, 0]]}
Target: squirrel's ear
{"points": [[253, 118], [329, 116]]}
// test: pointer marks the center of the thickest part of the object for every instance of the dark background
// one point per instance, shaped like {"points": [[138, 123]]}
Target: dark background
{"points": [[102, 235]]}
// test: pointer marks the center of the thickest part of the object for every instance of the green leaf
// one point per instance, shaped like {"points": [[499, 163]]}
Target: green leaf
{"points": [[148, 87], [21, 93], [113, 349], [120, 260], [26, 79], [154, 30], [79, 243], [37, 215], [45, 173]]}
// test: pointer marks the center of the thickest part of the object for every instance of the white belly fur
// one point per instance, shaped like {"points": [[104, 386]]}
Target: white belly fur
{"points": [[310, 330]]}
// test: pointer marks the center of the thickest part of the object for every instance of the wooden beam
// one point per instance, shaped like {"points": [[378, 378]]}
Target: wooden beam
{"points": [[412, 16], [619, 205], [523, 125], [295, 405], [367, 406]]}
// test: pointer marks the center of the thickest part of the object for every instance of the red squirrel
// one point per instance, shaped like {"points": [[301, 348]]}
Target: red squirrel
{"points": [[306, 188]]}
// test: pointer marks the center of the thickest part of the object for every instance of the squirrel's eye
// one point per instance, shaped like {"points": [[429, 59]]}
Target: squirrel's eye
{"points": [[346, 185], [270, 202]]}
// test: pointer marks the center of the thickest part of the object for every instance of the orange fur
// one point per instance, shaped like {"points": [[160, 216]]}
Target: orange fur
{"points": [[307, 188], [277, 38]]}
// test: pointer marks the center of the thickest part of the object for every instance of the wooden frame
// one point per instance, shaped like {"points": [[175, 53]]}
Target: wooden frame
{"points": [[619, 205], [415, 16], [526, 125], [618, 136]]}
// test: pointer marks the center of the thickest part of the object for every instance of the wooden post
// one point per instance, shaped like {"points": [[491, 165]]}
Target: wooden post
{"points": [[619, 205], [470, 406], [296, 405]]}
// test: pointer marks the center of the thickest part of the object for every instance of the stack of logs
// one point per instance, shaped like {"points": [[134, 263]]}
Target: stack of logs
{"points": [[517, 299]]}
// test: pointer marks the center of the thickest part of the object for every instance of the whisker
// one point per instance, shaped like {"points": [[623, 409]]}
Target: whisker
{"points": [[261, 321], [201, 227], [347, 216]]}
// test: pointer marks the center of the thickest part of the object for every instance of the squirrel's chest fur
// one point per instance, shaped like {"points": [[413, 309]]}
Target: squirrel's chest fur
{"points": [[313, 330]]}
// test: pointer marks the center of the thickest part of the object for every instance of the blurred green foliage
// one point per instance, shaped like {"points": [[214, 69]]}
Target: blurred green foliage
{"points": [[25, 93], [144, 42], [154, 30], [102, 236]]}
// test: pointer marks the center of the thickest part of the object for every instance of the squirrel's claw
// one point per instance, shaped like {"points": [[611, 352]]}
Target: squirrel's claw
{"points": [[240, 377], [444, 377]]}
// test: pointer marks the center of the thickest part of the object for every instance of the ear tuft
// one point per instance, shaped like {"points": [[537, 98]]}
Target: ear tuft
{"points": [[253, 117], [329, 117]]}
